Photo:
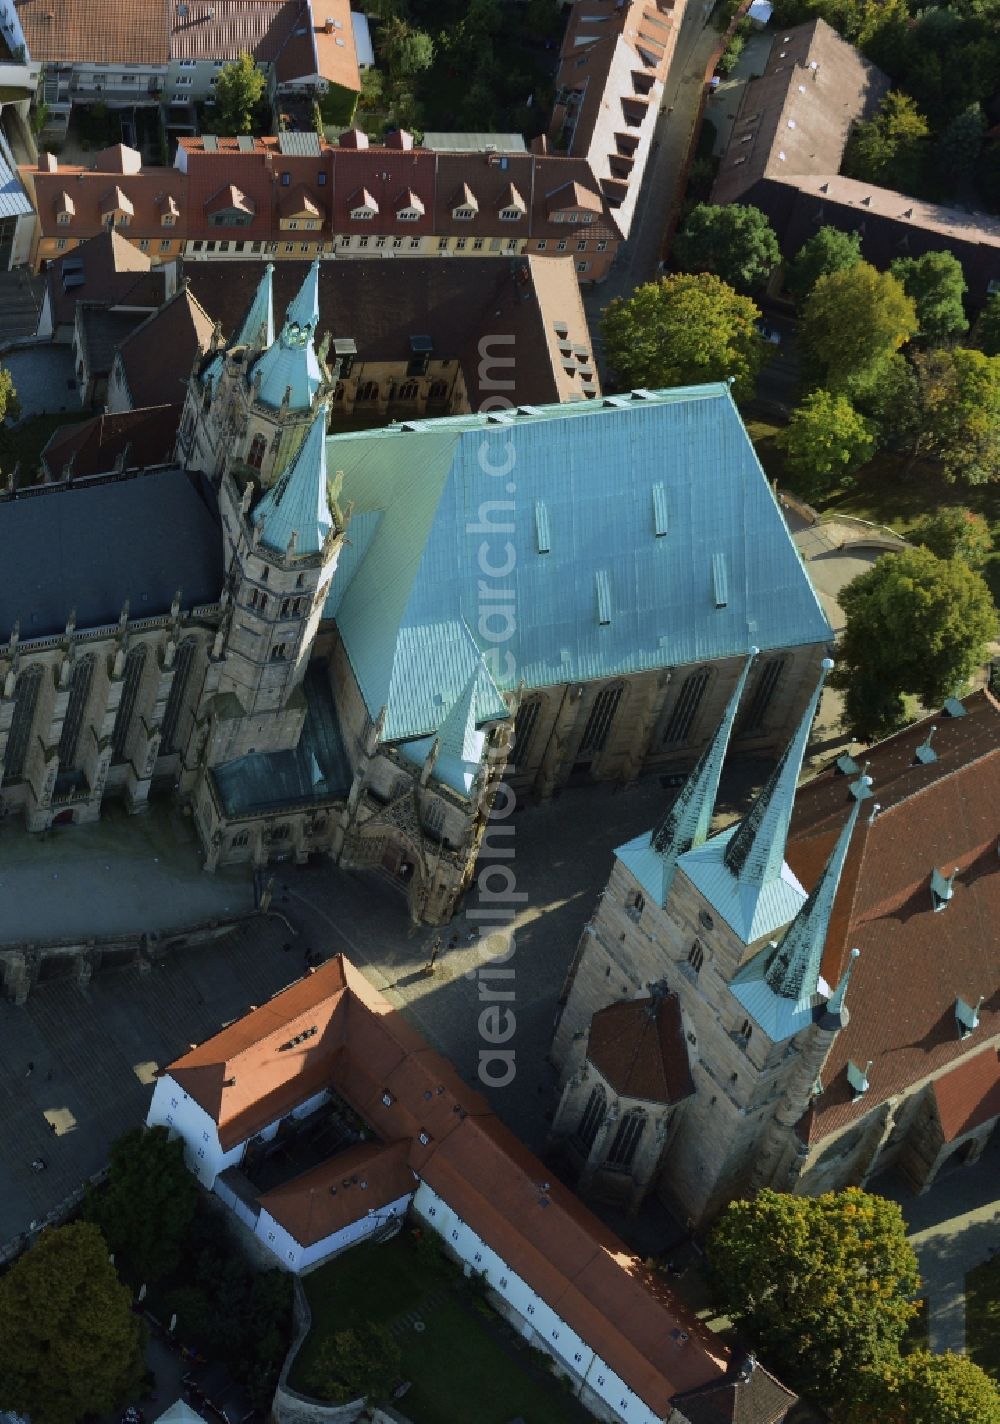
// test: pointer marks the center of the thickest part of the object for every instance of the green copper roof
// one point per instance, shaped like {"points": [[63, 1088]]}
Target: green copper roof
{"points": [[290, 364], [257, 327], [460, 744], [631, 533], [299, 504]]}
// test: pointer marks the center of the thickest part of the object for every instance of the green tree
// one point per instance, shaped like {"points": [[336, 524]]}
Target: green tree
{"points": [[915, 624], [892, 148], [955, 532], [405, 49], [730, 56], [681, 331], [69, 1343], [853, 321], [736, 242], [936, 282], [890, 397], [960, 413], [361, 1362], [238, 91], [921, 1388], [146, 1206], [9, 403], [820, 1284], [986, 331], [828, 250], [825, 439], [959, 146]]}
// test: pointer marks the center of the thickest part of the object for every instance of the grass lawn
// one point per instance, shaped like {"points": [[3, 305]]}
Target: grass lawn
{"points": [[25, 443], [882, 491], [982, 1316], [467, 1363]]}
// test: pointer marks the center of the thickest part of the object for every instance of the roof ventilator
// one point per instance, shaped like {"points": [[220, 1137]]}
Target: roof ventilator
{"points": [[858, 1077], [942, 888], [953, 707], [925, 753], [967, 1017]]}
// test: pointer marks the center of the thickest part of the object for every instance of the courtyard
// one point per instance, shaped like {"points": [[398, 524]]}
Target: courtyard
{"points": [[459, 1359]]}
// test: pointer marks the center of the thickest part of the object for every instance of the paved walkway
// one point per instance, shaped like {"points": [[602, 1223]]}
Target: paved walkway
{"points": [[20, 303], [124, 874], [952, 1230], [44, 379]]}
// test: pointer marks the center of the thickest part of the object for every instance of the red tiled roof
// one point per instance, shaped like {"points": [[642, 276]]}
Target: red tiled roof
{"points": [[113, 270], [343, 1189], [225, 29], [254, 1071], [638, 1047], [969, 1095], [85, 32], [157, 357], [914, 963], [143, 437]]}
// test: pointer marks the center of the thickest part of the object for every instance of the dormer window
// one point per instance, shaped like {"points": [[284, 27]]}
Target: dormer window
{"points": [[168, 219], [362, 206], [967, 1016], [64, 218], [409, 207], [463, 214], [510, 214], [942, 889]]}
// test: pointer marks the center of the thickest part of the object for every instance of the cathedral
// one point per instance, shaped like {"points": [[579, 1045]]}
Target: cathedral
{"points": [[338, 646], [805, 998]]}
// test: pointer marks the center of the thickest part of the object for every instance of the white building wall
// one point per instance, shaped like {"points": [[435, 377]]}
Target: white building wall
{"points": [[299, 1258], [174, 1109], [541, 1324]]}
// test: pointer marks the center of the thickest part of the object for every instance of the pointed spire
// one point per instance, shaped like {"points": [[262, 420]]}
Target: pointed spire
{"points": [[457, 734], [303, 310], [835, 1015], [298, 506], [687, 822], [794, 971], [257, 328], [756, 852]]}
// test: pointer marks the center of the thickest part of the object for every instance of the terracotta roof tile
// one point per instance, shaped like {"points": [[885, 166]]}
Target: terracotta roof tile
{"points": [[79, 32], [341, 1190], [112, 269], [142, 437], [225, 29], [969, 1095], [253, 1072], [914, 963], [638, 1047], [157, 357]]}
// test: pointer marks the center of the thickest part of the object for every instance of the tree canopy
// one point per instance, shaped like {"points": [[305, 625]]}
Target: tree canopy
{"points": [[853, 321], [362, 1362], [826, 438], [736, 242], [986, 332], [69, 1343], [955, 532], [921, 1388], [405, 49], [893, 148], [936, 282], [960, 413], [960, 144], [828, 250], [238, 90], [146, 1206], [915, 624], [681, 331], [819, 1284], [9, 404]]}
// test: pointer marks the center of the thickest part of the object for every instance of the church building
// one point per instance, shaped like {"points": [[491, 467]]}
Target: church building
{"points": [[706, 1043], [330, 645]]}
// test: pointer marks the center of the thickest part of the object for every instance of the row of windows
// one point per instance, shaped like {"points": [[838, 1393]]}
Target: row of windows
{"points": [[382, 241], [627, 1136]]}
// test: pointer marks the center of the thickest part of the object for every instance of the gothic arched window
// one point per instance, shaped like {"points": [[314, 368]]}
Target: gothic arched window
{"points": [[626, 1139], [408, 391], [524, 729], [25, 702], [438, 391], [132, 678], [178, 691], [752, 721], [602, 714], [257, 451], [368, 391], [686, 707], [593, 1115], [79, 693]]}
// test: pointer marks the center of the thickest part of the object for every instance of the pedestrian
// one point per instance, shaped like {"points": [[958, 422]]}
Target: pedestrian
{"points": [[435, 951], [29, 1070]]}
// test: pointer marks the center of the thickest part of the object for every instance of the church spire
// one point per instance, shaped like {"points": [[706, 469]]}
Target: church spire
{"points": [[793, 973], [303, 309], [288, 374], [835, 1015], [755, 853], [687, 822], [295, 513], [257, 327]]}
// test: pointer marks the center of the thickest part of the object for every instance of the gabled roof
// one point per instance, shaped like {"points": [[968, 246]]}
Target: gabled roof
{"points": [[140, 437], [914, 963], [78, 32], [230, 197], [341, 1190], [300, 202], [969, 1095], [638, 1047], [118, 159], [156, 358], [224, 29], [106, 270], [332, 1029], [757, 1398], [409, 616]]}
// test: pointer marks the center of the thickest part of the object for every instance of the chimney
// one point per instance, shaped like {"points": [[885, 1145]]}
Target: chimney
{"points": [[48, 163], [328, 27]]}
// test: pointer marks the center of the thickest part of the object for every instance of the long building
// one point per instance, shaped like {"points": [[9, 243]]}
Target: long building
{"points": [[330, 1053]]}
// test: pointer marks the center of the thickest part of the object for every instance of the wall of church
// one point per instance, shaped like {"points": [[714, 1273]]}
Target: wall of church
{"points": [[373, 386]]}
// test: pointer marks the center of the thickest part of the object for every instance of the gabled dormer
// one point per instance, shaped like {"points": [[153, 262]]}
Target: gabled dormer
{"points": [[65, 209], [409, 207], [116, 208], [362, 207], [513, 207], [230, 207], [167, 207], [464, 206], [299, 211]]}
